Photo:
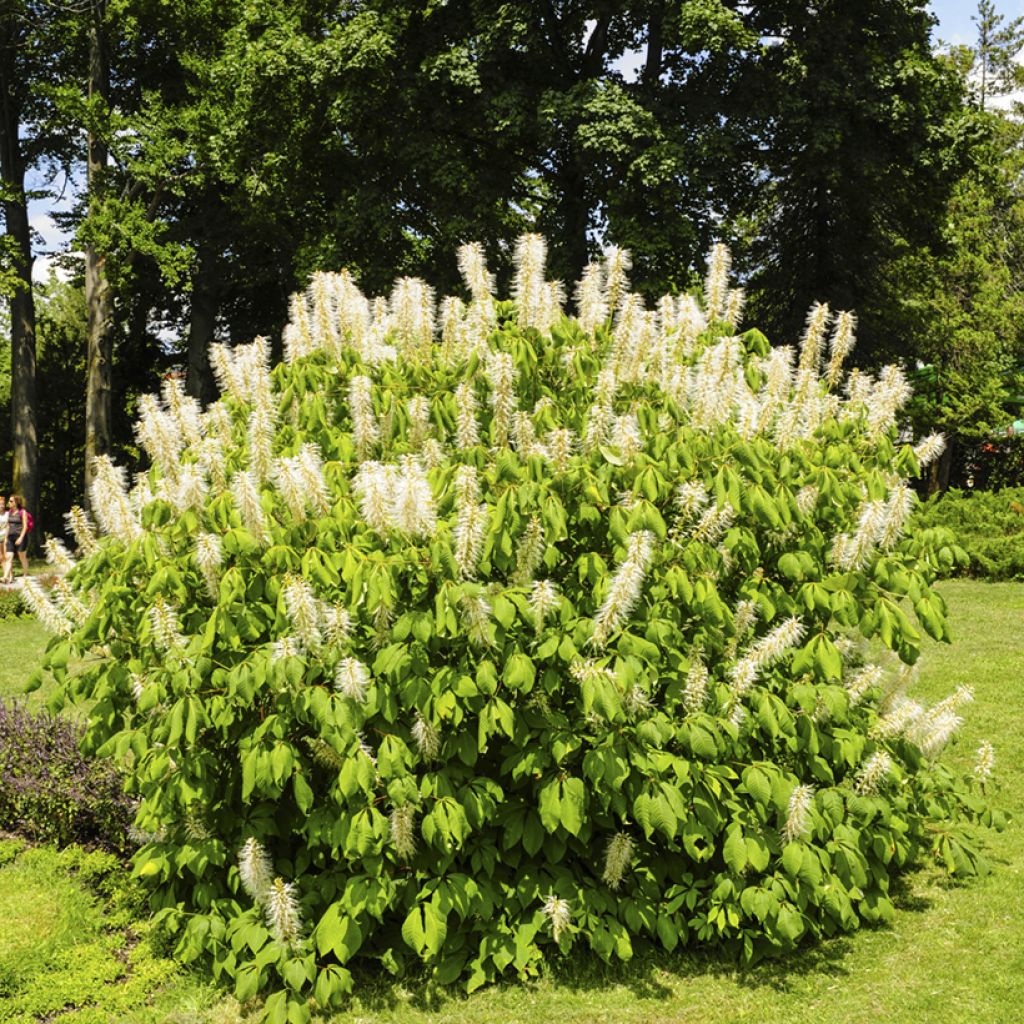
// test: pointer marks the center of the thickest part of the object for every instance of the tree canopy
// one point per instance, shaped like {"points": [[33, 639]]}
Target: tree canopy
{"points": [[224, 151]]}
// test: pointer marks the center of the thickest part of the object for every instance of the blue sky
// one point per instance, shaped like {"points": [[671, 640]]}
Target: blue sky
{"points": [[955, 25]]}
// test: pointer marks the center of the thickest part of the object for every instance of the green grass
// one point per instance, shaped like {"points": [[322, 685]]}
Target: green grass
{"points": [[70, 952], [22, 642], [954, 954]]}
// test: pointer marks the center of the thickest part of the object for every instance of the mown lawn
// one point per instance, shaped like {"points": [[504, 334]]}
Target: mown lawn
{"points": [[955, 953]]}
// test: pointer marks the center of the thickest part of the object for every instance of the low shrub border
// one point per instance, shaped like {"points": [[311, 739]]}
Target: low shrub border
{"points": [[988, 525]]}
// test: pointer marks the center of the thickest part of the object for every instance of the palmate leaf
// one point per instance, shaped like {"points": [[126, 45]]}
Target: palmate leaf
{"points": [[424, 930]]}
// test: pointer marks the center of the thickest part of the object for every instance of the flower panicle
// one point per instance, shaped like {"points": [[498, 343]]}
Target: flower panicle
{"points": [[560, 443], [471, 519], [303, 610], [864, 679], [426, 738], [806, 499], [798, 814], [58, 555], [840, 346], [764, 653], [209, 558], [365, 429], [617, 859], [412, 506], [735, 301], [591, 299], [559, 915], [714, 523], [695, 691], [812, 343], [873, 773], [476, 619], [163, 618], [68, 602], [473, 267], [529, 553], [411, 308], [245, 492], [500, 371], [467, 429], [716, 283], [262, 428], [985, 762], [110, 501], [281, 909], [286, 647], [337, 623], [929, 449], [625, 588], [403, 833], [255, 870], [81, 529], [544, 600], [418, 411], [617, 265], [352, 679], [528, 282], [44, 609]]}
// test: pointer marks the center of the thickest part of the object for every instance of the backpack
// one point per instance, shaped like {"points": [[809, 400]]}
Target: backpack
{"points": [[29, 521]]}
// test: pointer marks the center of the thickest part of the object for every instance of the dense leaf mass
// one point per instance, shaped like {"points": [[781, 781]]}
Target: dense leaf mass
{"points": [[473, 630]]}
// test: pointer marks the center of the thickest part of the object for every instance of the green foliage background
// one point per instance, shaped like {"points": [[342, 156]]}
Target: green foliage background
{"points": [[989, 526]]}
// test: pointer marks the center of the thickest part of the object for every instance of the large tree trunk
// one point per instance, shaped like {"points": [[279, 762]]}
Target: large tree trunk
{"points": [[98, 298], [202, 322], [24, 447], [574, 207]]}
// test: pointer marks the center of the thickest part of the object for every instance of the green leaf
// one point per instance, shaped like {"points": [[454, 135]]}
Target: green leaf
{"points": [[424, 930], [757, 785], [758, 853], [520, 673], [792, 859], [668, 934], [789, 924], [338, 933], [303, 793], [734, 850]]}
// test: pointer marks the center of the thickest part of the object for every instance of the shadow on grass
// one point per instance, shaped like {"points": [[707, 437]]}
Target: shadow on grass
{"points": [[648, 977], [652, 973]]}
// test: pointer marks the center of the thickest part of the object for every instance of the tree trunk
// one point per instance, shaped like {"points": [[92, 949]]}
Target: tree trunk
{"points": [[98, 298], [940, 470], [202, 322], [573, 208], [575, 217], [655, 46], [24, 446]]}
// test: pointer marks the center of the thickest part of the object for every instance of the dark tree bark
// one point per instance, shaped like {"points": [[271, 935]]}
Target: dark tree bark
{"points": [[574, 208], [24, 447], [98, 295], [202, 323], [655, 46]]}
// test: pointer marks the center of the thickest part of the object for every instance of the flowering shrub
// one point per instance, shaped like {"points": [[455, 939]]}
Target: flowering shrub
{"points": [[473, 633]]}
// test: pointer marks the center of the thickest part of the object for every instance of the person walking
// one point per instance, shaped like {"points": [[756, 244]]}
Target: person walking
{"points": [[17, 535], [5, 559]]}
